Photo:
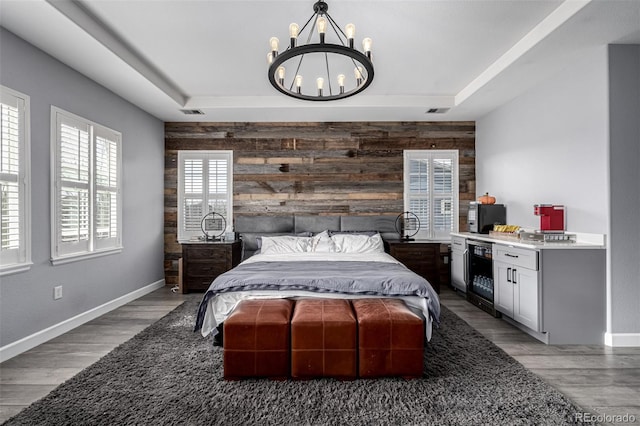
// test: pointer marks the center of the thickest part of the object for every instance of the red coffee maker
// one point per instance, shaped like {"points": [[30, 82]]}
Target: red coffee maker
{"points": [[551, 217]]}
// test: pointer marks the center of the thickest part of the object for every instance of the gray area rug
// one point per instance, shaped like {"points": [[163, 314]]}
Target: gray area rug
{"points": [[170, 375]]}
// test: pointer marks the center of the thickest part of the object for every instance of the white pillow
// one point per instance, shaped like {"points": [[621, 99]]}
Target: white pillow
{"points": [[358, 243], [285, 244], [322, 243]]}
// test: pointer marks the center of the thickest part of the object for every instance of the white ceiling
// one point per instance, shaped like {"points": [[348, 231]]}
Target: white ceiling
{"points": [[468, 55]]}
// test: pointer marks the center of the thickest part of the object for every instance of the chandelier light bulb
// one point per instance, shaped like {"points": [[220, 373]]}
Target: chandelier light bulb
{"points": [[269, 58], [350, 31], [358, 73], [322, 25], [273, 42], [299, 83], [294, 30], [322, 28], [366, 46], [320, 83], [280, 73], [341, 78]]}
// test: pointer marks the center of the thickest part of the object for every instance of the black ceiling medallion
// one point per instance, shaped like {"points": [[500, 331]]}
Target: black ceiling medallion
{"points": [[321, 61]]}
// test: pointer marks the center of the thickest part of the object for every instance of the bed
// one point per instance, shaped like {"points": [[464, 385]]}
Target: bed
{"points": [[338, 257]]}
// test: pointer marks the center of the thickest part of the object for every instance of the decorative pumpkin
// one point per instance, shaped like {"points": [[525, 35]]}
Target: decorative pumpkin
{"points": [[487, 199]]}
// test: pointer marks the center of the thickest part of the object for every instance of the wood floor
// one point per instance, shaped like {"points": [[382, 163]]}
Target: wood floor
{"points": [[601, 379]]}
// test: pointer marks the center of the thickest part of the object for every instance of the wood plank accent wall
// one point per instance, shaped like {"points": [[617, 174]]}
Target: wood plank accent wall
{"points": [[313, 168]]}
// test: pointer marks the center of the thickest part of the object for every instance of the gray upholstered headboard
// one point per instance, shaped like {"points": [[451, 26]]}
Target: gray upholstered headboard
{"points": [[251, 227]]}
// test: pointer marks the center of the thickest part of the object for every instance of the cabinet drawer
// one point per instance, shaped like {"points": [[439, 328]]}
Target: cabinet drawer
{"points": [[198, 283], [206, 269], [516, 256], [458, 243], [407, 253], [196, 253]]}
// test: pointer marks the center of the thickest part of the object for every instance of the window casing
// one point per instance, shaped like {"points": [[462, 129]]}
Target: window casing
{"points": [[87, 188], [431, 191], [15, 187], [205, 184]]}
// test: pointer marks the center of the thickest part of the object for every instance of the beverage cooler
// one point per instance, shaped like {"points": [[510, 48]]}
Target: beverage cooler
{"points": [[480, 276]]}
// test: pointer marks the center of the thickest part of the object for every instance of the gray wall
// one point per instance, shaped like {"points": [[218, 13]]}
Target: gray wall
{"points": [[26, 299], [624, 163], [550, 145], [556, 143]]}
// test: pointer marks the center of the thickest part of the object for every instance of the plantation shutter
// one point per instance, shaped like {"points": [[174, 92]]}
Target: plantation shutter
{"points": [[87, 188], [9, 173], [418, 194], [193, 204], [443, 196], [431, 191], [13, 185], [205, 185], [107, 193], [218, 188], [73, 186]]}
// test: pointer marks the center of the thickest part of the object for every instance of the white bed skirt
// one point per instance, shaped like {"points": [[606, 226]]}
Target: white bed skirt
{"points": [[220, 306]]}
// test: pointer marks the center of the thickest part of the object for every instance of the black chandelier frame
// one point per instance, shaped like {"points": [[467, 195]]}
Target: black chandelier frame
{"points": [[359, 59]]}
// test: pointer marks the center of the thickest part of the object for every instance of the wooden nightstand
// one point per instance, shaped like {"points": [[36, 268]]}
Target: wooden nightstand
{"points": [[421, 257], [204, 261]]}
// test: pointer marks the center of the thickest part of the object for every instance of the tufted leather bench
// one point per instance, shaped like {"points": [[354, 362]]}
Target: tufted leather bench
{"points": [[323, 339], [390, 339], [256, 339]]}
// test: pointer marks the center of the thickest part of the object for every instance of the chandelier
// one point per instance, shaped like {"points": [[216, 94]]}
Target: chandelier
{"points": [[317, 70]]}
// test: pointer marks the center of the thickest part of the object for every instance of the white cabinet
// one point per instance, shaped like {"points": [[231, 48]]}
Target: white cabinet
{"points": [[503, 288], [555, 292], [459, 263], [517, 289], [526, 298]]}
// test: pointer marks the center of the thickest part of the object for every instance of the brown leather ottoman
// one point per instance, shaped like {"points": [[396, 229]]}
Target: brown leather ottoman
{"points": [[323, 339], [390, 339], [256, 339]]}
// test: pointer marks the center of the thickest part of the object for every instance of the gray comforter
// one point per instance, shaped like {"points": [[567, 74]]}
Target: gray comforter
{"points": [[350, 277]]}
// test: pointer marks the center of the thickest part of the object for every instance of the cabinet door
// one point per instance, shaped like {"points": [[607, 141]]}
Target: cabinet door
{"points": [[526, 298], [503, 288], [458, 279]]}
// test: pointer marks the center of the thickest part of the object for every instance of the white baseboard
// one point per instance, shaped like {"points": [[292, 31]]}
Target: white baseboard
{"points": [[622, 339], [29, 342]]}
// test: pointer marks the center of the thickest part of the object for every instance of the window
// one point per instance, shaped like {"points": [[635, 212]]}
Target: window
{"points": [[15, 198], [205, 184], [431, 191], [87, 187]]}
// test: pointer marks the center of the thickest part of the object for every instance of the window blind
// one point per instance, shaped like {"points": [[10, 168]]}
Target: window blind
{"points": [[73, 194], [14, 186], [87, 187], [193, 204], [204, 185], [9, 176], [431, 191], [106, 183]]}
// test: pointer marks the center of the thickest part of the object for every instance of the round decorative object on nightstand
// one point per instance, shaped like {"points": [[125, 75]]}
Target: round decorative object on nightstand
{"points": [[407, 225], [213, 226]]}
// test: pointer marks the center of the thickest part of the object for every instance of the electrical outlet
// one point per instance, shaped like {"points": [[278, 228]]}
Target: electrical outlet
{"points": [[57, 292]]}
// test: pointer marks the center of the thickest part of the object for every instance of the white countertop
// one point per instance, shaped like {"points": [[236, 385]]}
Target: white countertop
{"points": [[583, 241]]}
